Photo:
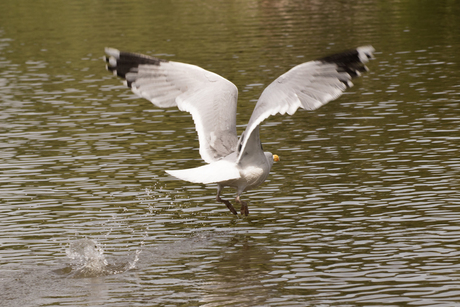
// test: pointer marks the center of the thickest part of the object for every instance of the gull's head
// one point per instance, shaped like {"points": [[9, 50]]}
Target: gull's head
{"points": [[271, 158]]}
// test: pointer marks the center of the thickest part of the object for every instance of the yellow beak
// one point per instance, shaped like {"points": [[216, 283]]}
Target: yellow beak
{"points": [[276, 158]]}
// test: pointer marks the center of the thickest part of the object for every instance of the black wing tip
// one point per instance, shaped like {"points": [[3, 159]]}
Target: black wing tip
{"points": [[351, 61], [361, 54], [121, 62]]}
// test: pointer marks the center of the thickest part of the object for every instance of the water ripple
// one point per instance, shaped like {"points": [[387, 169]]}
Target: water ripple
{"points": [[362, 210]]}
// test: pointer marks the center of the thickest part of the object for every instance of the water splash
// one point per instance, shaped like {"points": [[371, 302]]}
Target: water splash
{"points": [[88, 260]]}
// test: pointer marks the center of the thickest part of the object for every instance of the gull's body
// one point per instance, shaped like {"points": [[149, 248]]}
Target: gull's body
{"points": [[211, 99]]}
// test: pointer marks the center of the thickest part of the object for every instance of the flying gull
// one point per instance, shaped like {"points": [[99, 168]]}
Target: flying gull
{"points": [[235, 162]]}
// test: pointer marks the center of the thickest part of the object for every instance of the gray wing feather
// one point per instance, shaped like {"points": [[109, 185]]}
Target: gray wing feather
{"points": [[308, 86], [208, 97]]}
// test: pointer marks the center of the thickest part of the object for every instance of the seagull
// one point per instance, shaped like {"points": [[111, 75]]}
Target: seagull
{"points": [[239, 163]]}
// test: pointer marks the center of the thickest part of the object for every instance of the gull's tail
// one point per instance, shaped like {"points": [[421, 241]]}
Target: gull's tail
{"points": [[215, 172]]}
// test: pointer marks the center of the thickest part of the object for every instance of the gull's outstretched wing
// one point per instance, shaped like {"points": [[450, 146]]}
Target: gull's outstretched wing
{"points": [[309, 86], [208, 97]]}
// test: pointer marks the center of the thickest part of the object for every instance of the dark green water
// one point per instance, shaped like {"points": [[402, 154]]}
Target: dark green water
{"points": [[364, 208]]}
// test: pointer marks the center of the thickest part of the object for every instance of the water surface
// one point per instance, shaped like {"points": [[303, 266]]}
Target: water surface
{"points": [[362, 210]]}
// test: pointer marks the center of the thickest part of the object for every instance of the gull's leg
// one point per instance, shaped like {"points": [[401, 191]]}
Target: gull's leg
{"points": [[226, 202], [244, 206]]}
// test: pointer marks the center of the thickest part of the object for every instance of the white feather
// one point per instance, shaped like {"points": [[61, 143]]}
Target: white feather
{"points": [[309, 86], [214, 172]]}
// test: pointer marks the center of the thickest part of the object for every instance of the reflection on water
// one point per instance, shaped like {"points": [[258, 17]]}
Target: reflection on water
{"points": [[362, 210]]}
